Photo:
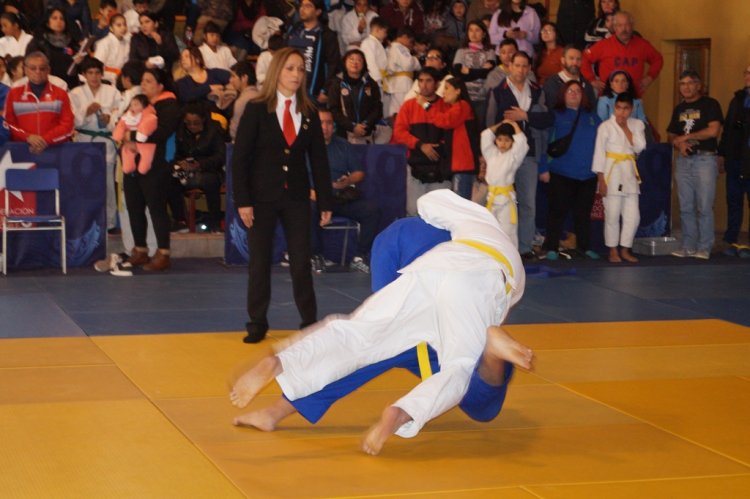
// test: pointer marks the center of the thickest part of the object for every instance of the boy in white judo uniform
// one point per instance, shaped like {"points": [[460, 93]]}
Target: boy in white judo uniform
{"points": [[504, 146], [401, 67], [618, 141], [93, 105], [448, 298]]}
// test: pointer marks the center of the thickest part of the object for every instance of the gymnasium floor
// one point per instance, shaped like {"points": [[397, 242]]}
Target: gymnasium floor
{"points": [[642, 389]]}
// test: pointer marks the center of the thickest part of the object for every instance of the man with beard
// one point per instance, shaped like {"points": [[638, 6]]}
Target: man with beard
{"points": [[571, 70]]}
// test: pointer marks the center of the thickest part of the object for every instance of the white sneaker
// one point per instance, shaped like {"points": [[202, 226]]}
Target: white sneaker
{"points": [[284, 259], [701, 254], [360, 265], [108, 263], [682, 253]]}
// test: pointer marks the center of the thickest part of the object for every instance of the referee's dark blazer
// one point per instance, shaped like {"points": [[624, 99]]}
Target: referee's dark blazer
{"points": [[263, 163]]}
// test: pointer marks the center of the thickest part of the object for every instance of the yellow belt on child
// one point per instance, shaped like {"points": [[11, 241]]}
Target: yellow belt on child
{"points": [[503, 190], [384, 79], [619, 158], [423, 358]]}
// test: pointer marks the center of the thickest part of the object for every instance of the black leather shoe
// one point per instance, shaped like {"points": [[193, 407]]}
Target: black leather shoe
{"points": [[255, 332], [530, 257]]}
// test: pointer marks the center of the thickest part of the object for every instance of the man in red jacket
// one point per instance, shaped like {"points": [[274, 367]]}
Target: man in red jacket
{"points": [[622, 52], [429, 168], [38, 112]]}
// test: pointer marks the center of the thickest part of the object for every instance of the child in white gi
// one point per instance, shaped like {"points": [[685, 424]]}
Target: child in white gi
{"points": [[375, 56], [504, 146], [215, 54], [618, 140], [93, 104], [114, 49], [401, 67]]}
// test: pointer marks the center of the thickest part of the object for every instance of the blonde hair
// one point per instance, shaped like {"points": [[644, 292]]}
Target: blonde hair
{"points": [[268, 93]]}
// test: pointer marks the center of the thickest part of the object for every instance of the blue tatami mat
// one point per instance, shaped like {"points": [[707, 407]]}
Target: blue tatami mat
{"points": [[203, 296]]}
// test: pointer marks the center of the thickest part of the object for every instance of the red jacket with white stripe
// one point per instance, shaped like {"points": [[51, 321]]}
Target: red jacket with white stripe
{"points": [[49, 116]]}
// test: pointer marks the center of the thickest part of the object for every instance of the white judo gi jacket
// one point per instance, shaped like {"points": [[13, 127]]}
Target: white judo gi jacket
{"points": [[448, 297]]}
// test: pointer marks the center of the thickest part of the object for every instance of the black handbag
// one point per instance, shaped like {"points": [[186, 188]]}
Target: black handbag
{"points": [[558, 147]]}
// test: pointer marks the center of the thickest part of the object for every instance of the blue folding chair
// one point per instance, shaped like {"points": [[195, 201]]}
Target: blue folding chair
{"points": [[38, 180]]}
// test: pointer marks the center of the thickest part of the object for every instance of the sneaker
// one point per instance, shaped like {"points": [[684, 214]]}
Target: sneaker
{"points": [[179, 227], [318, 264], [108, 263], [122, 270], [682, 253], [592, 255], [284, 259], [701, 254], [551, 256], [732, 250], [358, 263]]}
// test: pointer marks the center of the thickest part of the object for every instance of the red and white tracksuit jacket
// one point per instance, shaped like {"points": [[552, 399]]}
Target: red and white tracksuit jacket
{"points": [[49, 116]]}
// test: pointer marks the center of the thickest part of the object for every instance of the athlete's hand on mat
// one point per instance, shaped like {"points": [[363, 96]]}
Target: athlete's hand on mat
{"points": [[325, 218], [246, 214]]}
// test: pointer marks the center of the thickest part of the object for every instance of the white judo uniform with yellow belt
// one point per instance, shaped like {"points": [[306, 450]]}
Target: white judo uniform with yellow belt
{"points": [[501, 173], [447, 298], [615, 158]]}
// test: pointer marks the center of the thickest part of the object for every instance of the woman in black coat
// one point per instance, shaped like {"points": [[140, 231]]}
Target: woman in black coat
{"points": [[152, 42], [60, 44], [149, 190], [354, 100], [277, 133]]}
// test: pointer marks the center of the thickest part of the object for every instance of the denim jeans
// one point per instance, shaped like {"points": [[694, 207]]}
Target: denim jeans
{"points": [[526, 179], [463, 183], [696, 188], [738, 189]]}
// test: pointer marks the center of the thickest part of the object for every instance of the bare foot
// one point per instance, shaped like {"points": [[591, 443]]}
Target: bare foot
{"points": [[614, 256], [247, 387], [266, 419], [390, 421], [628, 256], [502, 345]]}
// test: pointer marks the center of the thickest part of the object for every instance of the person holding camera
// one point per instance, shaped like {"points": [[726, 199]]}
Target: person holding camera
{"points": [[693, 132], [734, 152]]}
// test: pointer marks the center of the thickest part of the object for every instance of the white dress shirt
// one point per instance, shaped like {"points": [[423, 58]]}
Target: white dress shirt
{"points": [[281, 104]]}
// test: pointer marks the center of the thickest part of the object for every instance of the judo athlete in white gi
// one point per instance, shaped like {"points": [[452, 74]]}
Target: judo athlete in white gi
{"points": [[504, 147], [618, 141], [448, 298], [93, 106], [401, 67]]}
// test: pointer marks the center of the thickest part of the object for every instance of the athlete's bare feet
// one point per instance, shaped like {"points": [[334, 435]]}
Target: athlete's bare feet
{"points": [[614, 256], [252, 382], [266, 419], [628, 256], [390, 421], [501, 345]]}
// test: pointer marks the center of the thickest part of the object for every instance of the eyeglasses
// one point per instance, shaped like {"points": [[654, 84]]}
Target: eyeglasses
{"points": [[434, 57], [573, 91]]}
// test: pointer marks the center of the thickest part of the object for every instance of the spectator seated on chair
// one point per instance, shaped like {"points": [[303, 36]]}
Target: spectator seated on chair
{"points": [[198, 163], [348, 198]]}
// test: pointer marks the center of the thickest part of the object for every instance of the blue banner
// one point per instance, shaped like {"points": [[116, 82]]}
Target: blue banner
{"points": [[82, 203], [385, 182]]}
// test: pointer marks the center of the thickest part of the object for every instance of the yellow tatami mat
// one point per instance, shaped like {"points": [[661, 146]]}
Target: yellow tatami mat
{"points": [[637, 409]]}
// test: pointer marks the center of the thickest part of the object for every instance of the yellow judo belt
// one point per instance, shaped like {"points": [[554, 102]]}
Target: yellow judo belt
{"points": [[503, 190], [619, 158], [423, 358]]}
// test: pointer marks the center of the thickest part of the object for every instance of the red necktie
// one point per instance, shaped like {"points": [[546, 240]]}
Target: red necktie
{"points": [[289, 132]]}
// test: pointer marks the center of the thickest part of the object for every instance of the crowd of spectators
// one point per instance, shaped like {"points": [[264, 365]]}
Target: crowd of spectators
{"points": [[429, 74]]}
